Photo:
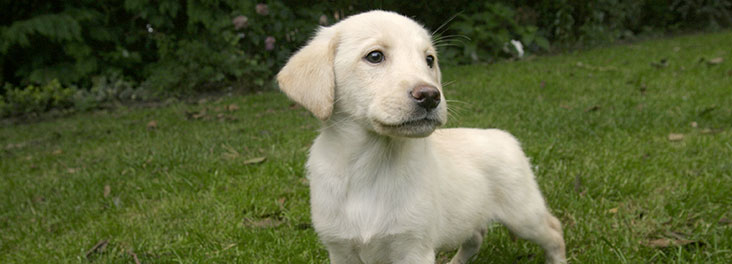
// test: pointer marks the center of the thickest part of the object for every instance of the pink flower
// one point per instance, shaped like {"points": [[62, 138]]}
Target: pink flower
{"points": [[323, 20], [240, 22], [262, 9], [269, 43]]}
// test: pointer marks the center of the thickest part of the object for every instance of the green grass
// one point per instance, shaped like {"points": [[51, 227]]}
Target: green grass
{"points": [[183, 191]]}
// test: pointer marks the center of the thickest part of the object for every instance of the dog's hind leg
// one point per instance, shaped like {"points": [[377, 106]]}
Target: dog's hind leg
{"points": [[469, 248], [541, 228]]}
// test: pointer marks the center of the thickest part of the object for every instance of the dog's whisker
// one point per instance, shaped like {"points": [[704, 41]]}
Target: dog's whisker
{"points": [[453, 36], [444, 24], [448, 83], [452, 101], [449, 43]]}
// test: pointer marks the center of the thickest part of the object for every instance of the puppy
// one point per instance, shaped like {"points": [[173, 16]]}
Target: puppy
{"points": [[387, 186]]}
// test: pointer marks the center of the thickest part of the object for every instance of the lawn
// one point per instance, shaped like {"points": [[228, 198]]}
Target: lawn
{"points": [[631, 145]]}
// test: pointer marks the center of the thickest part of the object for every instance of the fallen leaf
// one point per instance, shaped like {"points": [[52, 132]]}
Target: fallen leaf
{"points": [[229, 246], [256, 160], [107, 190], [196, 114], [661, 242], [710, 131], [613, 210], [663, 63], [72, 170], [58, 152], [267, 222], [715, 61], [675, 137], [694, 124], [200, 115], [233, 107], [97, 248], [134, 256], [152, 124], [667, 242]]}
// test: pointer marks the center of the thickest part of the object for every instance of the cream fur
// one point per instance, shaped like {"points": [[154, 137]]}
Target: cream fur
{"points": [[387, 186]]}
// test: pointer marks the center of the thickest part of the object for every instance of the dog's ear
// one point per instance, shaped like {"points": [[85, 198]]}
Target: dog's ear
{"points": [[308, 76]]}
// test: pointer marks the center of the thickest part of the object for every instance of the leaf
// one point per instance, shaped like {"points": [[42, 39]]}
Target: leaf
{"points": [[267, 222], [668, 242], [232, 107], [613, 210], [663, 63], [107, 190], [256, 160], [152, 124], [675, 137], [661, 242], [97, 248], [715, 61]]}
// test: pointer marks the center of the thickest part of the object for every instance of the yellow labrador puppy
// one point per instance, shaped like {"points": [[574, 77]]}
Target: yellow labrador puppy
{"points": [[387, 186]]}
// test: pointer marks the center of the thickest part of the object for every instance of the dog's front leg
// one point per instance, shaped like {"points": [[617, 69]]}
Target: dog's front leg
{"points": [[412, 254], [342, 253]]}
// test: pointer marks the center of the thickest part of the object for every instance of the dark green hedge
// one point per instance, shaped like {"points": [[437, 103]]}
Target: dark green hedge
{"points": [[168, 46]]}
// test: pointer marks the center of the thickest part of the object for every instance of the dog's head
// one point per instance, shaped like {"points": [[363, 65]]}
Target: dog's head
{"points": [[378, 69]]}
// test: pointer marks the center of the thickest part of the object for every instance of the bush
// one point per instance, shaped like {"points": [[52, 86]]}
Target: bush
{"points": [[177, 47], [34, 99], [489, 33]]}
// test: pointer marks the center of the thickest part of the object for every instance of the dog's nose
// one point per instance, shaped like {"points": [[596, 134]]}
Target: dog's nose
{"points": [[427, 97]]}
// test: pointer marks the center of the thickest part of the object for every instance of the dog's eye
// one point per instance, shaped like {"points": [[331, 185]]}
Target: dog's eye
{"points": [[375, 57], [430, 60]]}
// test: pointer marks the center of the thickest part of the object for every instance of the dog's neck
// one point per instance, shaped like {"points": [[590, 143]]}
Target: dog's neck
{"points": [[347, 139]]}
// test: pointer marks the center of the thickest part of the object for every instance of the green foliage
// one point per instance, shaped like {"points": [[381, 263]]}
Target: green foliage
{"points": [[34, 99], [176, 47], [109, 89], [489, 32], [582, 23]]}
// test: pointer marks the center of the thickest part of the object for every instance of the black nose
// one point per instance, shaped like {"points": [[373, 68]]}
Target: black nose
{"points": [[427, 97]]}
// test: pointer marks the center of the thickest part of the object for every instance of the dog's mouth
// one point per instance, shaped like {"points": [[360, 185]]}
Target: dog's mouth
{"points": [[420, 127], [415, 122]]}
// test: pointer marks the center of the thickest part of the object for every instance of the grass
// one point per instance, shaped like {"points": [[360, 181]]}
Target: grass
{"points": [[633, 156]]}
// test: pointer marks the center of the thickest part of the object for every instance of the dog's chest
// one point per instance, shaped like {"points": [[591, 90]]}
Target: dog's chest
{"points": [[364, 201]]}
